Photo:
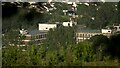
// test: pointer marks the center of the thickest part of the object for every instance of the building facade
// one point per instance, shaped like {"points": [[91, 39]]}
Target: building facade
{"points": [[82, 35], [106, 32], [69, 23], [117, 28], [46, 27], [34, 36]]}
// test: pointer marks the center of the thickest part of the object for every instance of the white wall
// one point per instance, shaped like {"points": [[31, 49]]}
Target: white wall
{"points": [[66, 23], [46, 26], [69, 2], [106, 31]]}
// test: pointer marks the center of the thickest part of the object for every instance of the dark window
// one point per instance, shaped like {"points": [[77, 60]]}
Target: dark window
{"points": [[40, 36], [73, 24], [68, 24]]}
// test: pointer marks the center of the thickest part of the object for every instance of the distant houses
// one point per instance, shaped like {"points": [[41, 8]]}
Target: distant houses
{"points": [[46, 27], [83, 34], [38, 35]]}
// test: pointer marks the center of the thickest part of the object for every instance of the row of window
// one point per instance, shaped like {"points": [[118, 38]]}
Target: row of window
{"points": [[80, 40], [85, 35], [41, 36]]}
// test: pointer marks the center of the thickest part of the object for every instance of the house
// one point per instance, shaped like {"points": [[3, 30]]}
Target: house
{"points": [[69, 23], [106, 32], [34, 36], [38, 35], [46, 27], [84, 34], [117, 27], [71, 13]]}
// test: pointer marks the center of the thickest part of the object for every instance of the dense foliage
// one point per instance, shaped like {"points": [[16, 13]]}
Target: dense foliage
{"points": [[99, 50], [59, 49], [61, 36], [73, 55], [98, 14]]}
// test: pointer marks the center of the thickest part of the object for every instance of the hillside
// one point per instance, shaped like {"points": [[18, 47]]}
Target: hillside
{"points": [[94, 15]]}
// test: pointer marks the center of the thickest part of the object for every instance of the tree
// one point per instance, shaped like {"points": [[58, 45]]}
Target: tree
{"points": [[22, 14], [61, 36], [97, 14], [84, 52], [100, 45], [118, 7], [114, 45]]}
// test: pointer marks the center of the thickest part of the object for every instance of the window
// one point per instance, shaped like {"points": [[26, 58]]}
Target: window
{"points": [[87, 35], [80, 35], [109, 31], [45, 35], [40, 36], [68, 24], [73, 24]]}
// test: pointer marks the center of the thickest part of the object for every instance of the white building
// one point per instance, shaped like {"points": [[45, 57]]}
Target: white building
{"points": [[106, 31], [46, 27], [117, 27], [85, 34], [69, 23], [69, 2]]}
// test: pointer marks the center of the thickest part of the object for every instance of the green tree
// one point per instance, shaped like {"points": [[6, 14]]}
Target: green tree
{"points": [[100, 45], [114, 45], [61, 36], [84, 52], [103, 13], [118, 7]]}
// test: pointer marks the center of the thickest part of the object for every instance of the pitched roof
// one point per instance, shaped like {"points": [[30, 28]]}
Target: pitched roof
{"points": [[35, 32]]}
